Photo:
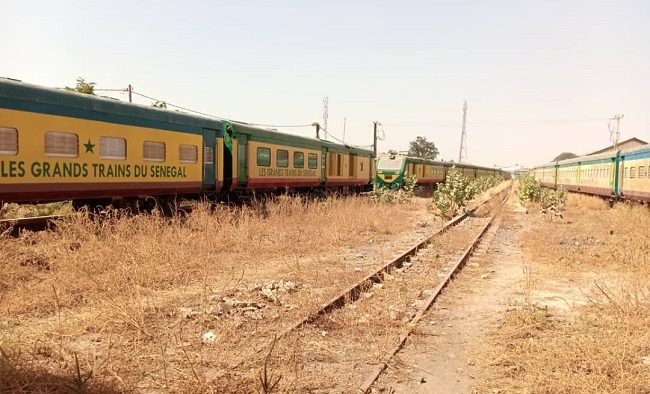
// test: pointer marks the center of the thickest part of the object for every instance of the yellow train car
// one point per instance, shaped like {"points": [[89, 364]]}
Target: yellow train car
{"points": [[596, 174], [62, 145], [56, 145], [634, 174]]}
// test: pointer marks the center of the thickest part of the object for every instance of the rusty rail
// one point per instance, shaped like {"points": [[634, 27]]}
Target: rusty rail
{"points": [[456, 267]]}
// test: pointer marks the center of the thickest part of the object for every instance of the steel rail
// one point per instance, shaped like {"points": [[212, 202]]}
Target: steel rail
{"points": [[354, 292], [36, 223], [456, 267]]}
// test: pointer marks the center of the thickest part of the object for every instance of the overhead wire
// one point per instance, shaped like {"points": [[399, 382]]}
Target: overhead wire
{"points": [[177, 106], [223, 118]]}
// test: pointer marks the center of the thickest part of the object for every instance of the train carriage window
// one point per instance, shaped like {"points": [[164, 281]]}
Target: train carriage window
{"points": [[208, 155], [8, 141], [643, 171], [61, 144], [312, 161], [298, 160], [188, 153], [632, 172], [154, 151], [361, 167], [112, 148], [264, 157], [282, 158]]}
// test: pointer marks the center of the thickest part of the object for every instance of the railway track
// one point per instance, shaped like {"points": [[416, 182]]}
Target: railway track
{"points": [[37, 223], [328, 323], [434, 294], [42, 223]]}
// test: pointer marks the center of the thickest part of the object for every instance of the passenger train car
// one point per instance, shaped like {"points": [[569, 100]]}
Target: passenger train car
{"points": [[392, 169], [620, 174], [57, 145]]}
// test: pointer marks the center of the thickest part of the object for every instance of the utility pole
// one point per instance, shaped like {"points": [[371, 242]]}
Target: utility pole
{"points": [[317, 125], [130, 89], [615, 132], [374, 140], [344, 120], [326, 102], [463, 136]]}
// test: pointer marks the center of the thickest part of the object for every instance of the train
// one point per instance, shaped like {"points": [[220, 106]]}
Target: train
{"points": [[392, 169], [619, 174], [95, 151], [62, 145]]}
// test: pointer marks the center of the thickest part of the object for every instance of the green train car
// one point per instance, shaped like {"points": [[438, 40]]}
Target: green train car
{"points": [[393, 168]]}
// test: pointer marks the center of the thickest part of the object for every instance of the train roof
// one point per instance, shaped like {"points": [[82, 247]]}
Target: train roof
{"points": [[420, 160], [590, 158], [607, 156], [27, 97], [23, 96], [636, 150], [275, 136]]}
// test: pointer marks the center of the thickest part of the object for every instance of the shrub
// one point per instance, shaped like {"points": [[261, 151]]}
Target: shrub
{"points": [[391, 196], [454, 194], [531, 190], [484, 183], [552, 200]]}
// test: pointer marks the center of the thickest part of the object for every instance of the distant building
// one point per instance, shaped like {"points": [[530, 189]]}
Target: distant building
{"points": [[630, 143]]}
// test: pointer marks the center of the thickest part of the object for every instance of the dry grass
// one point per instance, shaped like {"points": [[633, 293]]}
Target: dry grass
{"points": [[603, 346], [130, 297]]}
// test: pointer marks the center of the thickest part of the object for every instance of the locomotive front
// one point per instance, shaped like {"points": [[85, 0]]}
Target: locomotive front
{"points": [[390, 171]]}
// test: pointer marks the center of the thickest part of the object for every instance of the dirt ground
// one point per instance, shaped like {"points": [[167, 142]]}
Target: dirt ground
{"points": [[546, 305]]}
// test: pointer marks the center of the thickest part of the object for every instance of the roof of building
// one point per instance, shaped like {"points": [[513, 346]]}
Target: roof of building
{"points": [[629, 142]]}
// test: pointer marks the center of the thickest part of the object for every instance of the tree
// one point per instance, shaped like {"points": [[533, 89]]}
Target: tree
{"points": [[83, 87], [564, 156], [423, 148], [159, 104]]}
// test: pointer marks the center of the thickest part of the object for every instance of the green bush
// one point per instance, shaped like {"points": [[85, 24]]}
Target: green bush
{"points": [[457, 191], [454, 194], [391, 196], [531, 190], [484, 183], [552, 200]]}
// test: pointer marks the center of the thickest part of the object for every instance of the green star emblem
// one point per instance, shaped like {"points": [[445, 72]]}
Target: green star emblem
{"points": [[89, 147]]}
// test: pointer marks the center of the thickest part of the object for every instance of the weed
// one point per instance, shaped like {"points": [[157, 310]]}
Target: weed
{"points": [[401, 195]]}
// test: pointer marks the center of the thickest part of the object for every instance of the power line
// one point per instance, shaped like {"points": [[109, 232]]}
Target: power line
{"points": [[177, 106], [214, 116], [110, 90], [497, 123], [273, 125]]}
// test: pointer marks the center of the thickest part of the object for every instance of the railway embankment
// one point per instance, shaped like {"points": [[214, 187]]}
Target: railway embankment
{"points": [[151, 303], [580, 324], [548, 304]]}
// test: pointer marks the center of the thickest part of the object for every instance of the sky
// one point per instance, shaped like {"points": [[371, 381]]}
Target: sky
{"points": [[540, 77]]}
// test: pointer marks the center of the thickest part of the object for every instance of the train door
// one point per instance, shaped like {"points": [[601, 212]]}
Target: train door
{"points": [[242, 159], [209, 160], [323, 164], [620, 176], [352, 166], [227, 160]]}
